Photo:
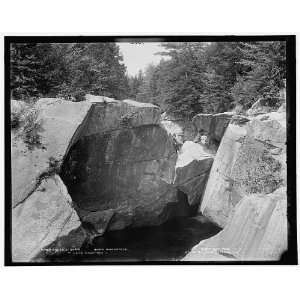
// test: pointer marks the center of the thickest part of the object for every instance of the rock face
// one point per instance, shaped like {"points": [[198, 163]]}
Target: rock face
{"points": [[81, 169], [45, 220], [120, 172], [256, 231], [42, 209], [250, 159], [219, 197], [212, 126], [192, 169], [246, 192], [116, 160], [58, 125]]}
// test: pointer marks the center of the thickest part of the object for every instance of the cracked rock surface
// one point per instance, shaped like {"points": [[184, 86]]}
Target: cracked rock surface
{"points": [[124, 162], [117, 166], [45, 220], [246, 192], [192, 170]]}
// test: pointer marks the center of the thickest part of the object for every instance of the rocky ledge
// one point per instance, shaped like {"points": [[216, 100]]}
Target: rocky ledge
{"points": [[82, 169], [96, 166], [246, 192]]}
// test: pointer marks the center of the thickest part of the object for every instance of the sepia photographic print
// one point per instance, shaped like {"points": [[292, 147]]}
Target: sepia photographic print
{"points": [[150, 150]]}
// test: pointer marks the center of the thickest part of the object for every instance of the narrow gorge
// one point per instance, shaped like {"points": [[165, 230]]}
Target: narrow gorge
{"points": [[107, 174]]}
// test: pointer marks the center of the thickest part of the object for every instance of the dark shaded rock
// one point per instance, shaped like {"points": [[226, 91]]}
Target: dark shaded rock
{"points": [[212, 127], [203, 123], [124, 162], [219, 125]]}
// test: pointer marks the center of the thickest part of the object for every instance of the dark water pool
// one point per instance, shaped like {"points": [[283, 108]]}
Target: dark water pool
{"points": [[168, 242]]}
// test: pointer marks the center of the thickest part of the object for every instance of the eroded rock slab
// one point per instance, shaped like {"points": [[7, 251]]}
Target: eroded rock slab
{"points": [[256, 231], [124, 163], [45, 220], [128, 165], [246, 192], [58, 124], [250, 159], [192, 169]]}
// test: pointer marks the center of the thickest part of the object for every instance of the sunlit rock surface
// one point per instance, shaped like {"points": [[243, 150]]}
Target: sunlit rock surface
{"points": [[44, 221], [246, 192], [256, 231], [58, 125], [250, 159], [118, 165], [192, 169], [103, 165]]}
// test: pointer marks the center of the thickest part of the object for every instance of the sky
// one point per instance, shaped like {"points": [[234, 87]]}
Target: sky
{"points": [[138, 56]]}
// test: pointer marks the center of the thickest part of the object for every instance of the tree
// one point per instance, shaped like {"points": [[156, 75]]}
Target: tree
{"points": [[214, 77], [24, 63], [67, 70], [265, 63], [135, 83], [148, 89]]}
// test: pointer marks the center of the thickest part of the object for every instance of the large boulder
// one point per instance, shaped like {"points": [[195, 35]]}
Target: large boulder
{"points": [[120, 171], [256, 231], [192, 169], [116, 161], [45, 222], [250, 160]]}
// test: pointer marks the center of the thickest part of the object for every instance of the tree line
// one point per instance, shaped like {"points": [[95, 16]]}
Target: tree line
{"points": [[191, 77], [67, 70], [214, 77]]}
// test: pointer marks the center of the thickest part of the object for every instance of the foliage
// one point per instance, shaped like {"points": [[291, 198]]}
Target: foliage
{"points": [[16, 116], [25, 120], [135, 83], [67, 70], [214, 77], [31, 129], [193, 77]]}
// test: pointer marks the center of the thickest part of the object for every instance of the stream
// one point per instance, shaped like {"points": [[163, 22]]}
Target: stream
{"points": [[170, 241]]}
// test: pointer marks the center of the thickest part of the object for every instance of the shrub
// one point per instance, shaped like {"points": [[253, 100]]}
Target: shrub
{"points": [[15, 120], [53, 168], [18, 109], [31, 128]]}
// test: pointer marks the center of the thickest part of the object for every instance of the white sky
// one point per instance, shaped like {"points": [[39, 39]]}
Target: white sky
{"points": [[138, 56]]}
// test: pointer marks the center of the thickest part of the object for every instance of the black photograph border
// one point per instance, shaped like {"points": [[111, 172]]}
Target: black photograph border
{"points": [[290, 257]]}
